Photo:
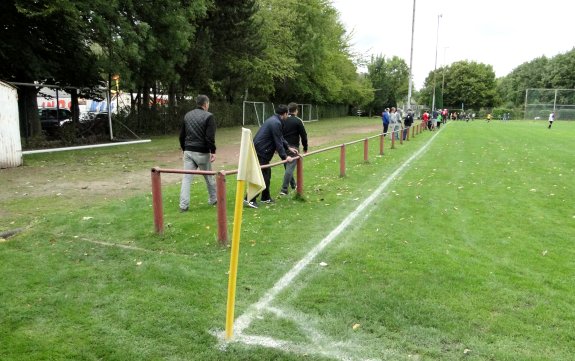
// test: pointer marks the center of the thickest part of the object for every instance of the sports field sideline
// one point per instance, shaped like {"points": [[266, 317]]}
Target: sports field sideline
{"points": [[463, 250]]}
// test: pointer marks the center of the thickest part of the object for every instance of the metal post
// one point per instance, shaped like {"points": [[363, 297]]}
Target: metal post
{"points": [[299, 180], [221, 207], [435, 67], [157, 201], [342, 161], [411, 59]]}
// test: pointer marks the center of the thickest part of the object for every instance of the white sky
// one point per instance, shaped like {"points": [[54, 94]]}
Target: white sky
{"points": [[501, 33]]}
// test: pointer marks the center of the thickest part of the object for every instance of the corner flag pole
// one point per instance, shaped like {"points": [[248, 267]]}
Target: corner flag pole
{"points": [[250, 174], [234, 259]]}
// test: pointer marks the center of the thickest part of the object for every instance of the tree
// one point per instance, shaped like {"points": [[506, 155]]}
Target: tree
{"points": [[234, 35], [44, 42], [467, 84], [389, 78]]}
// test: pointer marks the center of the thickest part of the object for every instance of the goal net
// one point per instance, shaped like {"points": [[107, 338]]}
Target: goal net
{"points": [[307, 112], [539, 103], [253, 113]]}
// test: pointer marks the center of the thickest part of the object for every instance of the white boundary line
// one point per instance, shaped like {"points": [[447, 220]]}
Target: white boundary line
{"points": [[49, 150], [253, 311]]}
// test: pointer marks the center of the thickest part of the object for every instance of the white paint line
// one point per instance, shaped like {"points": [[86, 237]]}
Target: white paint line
{"points": [[246, 319], [49, 150], [134, 248]]}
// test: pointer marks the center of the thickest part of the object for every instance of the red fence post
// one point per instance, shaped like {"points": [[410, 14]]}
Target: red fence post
{"points": [[299, 180], [222, 215], [157, 201], [365, 150], [381, 144], [342, 161]]}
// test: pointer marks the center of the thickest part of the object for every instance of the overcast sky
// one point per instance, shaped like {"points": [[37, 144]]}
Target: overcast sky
{"points": [[501, 33]]}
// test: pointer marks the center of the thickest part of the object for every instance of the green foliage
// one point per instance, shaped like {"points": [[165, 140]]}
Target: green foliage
{"points": [[390, 79], [546, 73], [469, 83]]}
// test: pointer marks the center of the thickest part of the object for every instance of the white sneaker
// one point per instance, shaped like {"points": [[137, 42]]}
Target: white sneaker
{"points": [[250, 204]]}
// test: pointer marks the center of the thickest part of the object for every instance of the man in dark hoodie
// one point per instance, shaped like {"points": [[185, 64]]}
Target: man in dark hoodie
{"points": [[268, 140], [198, 144], [293, 131]]}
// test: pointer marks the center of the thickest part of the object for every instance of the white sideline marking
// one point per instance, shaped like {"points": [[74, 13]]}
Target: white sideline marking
{"points": [[244, 321], [134, 248]]}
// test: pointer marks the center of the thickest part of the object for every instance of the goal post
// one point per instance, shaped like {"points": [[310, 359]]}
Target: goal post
{"points": [[306, 112], [539, 103], [253, 112]]}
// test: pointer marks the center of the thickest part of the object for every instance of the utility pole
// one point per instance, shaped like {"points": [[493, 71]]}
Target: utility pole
{"points": [[411, 59], [435, 67]]}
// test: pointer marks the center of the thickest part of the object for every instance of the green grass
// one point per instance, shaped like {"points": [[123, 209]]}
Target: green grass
{"points": [[468, 254]]}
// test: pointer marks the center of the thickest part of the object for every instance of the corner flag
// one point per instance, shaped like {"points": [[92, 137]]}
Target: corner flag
{"points": [[250, 172], [249, 167]]}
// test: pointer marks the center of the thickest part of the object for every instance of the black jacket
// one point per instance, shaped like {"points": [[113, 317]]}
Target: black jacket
{"points": [[293, 130], [198, 132], [269, 139]]}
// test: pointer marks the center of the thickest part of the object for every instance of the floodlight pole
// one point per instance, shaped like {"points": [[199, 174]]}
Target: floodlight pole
{"points": [[435, 67], [411, 59], [443, 74]]}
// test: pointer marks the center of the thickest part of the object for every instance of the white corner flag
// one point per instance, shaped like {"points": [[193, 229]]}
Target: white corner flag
{"points": [[250, 172], [249, 167]]}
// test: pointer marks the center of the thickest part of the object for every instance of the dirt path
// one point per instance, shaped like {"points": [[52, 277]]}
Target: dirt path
{"points": [[114, 181]]}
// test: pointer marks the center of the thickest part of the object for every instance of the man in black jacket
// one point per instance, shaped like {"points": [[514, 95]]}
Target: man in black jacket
{"points": [[293, 130], [407, 123], [198, 144], [268, 140]]}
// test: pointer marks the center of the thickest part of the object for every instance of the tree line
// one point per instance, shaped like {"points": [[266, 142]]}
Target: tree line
{"points": [[268, 50], [256, 49]]}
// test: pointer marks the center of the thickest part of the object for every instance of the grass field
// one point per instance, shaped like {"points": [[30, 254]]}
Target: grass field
{"points": [[467, 253]]}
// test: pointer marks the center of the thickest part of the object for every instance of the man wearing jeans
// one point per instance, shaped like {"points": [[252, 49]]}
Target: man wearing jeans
{"points": [[293, 131], [198, 143], [269, 140]]}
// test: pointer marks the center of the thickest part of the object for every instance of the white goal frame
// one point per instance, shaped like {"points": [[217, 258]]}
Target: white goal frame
{"points": [[306, 113], [540, 102], [259, 115]]}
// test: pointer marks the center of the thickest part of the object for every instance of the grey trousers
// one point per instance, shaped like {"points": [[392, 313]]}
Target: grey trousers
{"points": [[193, 161], [288, 176]]}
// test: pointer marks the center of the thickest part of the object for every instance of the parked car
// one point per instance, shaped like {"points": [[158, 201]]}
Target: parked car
{"points": [[52, 118], [94, 124]]}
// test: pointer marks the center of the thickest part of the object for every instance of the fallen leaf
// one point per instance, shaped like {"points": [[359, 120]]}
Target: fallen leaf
{"points": [[323, 264], [355, 326]]}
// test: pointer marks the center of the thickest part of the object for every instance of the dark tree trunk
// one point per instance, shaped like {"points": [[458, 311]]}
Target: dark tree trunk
{"points": [[28, 109]]}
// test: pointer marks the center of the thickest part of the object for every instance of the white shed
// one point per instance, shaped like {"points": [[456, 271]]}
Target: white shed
{"points": [[10, 145]]}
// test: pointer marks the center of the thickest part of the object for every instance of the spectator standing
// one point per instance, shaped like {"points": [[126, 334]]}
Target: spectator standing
{"points": [[293, 131], [425, 119], [198, 144], [385, 119], [551, 119], [407, 122], [395, 122], [268, 140]]}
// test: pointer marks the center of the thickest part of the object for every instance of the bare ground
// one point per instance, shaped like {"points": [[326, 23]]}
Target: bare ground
{"points": [[62, 180]]}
